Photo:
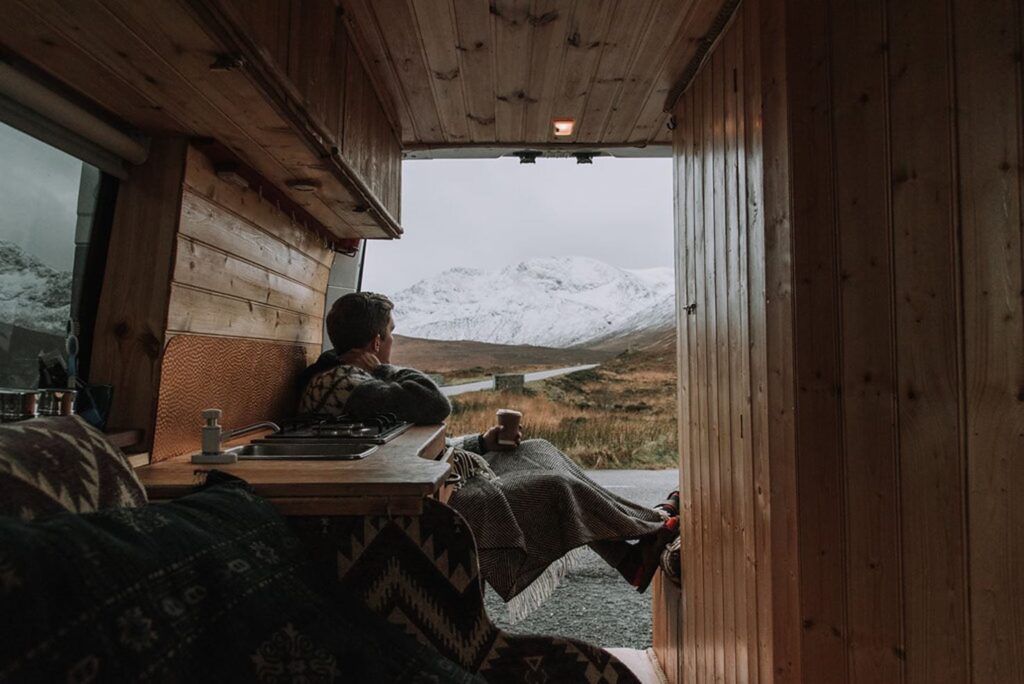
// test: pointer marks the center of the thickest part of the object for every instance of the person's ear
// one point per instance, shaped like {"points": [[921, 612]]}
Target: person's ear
{"points": [[376, 344]]}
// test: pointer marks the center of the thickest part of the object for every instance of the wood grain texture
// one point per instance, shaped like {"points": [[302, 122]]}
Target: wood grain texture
{"points": [[990, 127], [130, 327], [928, 308], [400, 470], [149, 64], [720, 284], [885, 342], [498, 71], [251, 207], [867, 341]]}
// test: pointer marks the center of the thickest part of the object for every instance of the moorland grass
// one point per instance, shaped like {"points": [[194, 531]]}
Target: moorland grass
{"points": [[621, 415]]}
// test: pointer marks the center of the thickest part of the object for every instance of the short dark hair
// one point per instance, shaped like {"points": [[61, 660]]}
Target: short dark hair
{"points": [[356, 318]]}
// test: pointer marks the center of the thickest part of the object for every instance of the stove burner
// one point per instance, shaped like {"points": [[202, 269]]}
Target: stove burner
{"points": [[378, 429]]}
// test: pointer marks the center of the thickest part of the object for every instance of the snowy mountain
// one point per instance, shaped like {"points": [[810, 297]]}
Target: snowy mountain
{"points": [[553, 302], [32, 295]]}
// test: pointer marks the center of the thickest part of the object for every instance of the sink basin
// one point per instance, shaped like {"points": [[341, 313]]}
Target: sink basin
{"points": [[303, 452]]}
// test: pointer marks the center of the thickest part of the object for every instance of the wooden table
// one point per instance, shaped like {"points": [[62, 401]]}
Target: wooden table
{"points": [[394, 479]]}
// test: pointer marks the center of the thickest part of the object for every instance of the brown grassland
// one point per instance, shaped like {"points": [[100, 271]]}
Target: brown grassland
{"points": [[619, 415]]}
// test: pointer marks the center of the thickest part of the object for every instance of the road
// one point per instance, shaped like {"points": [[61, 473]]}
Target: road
{"points": [[594, 603], [452, 390]]}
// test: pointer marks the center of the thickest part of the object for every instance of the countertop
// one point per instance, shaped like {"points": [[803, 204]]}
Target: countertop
{"points": [[394, 479]]}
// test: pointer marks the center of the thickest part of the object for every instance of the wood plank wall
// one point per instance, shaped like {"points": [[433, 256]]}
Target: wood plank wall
{"points": [[129, 336], [879, 315], [243, 268], [243, 272], [910, 338], [310, 42], [723, 369]]}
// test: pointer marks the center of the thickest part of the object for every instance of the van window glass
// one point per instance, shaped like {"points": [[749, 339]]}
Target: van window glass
{"points": [[47, 203]]}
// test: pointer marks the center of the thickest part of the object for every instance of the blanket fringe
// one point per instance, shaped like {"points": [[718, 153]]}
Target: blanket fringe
{"points": [[539, 590]]}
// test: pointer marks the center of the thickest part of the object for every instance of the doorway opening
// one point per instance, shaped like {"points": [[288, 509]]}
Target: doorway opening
{"points": [[554, 280]]}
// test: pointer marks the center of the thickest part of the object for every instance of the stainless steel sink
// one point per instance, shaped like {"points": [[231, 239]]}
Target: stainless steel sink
{"points": [[299, 451]]}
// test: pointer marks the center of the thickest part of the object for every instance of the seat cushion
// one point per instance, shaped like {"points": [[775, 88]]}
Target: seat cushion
{"points": [[53, 465], [211, 587]]}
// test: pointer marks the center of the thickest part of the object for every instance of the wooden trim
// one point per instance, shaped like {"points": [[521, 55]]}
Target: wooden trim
{"points": [[705, 47], [219, 17], [131, 320]]}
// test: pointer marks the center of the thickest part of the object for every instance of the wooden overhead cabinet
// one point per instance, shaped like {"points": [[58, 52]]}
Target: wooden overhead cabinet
{"points": [[199, 69]]}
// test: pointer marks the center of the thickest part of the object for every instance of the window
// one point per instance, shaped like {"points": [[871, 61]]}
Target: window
{"points": [[49, 202]]}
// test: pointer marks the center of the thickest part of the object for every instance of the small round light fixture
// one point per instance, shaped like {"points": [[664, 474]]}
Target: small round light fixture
{"points": [[563, 127], [303, 184]]}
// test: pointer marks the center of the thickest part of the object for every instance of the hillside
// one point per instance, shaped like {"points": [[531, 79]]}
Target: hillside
{"points": [[619, 415], [32, 295], [466, 359]]}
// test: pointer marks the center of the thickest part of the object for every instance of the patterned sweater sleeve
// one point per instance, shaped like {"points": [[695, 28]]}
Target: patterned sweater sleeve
{"points": [[472, 443], [407, 393]]}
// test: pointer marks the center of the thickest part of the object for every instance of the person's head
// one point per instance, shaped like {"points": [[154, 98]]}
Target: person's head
{"points": [[362, 320]]}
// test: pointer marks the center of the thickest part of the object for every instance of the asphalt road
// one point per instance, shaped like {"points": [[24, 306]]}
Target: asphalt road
{"points": [[452, 390], [594, 603]]}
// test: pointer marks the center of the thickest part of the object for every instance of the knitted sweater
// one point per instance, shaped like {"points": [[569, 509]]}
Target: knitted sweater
{"points": [[407, 393]]}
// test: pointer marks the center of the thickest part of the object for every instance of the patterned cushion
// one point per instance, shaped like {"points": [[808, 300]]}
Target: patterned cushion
{"points": [[211, 587], [53, 465]]}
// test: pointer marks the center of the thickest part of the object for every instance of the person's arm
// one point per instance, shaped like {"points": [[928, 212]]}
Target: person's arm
{"points": [[473, 443], [407, 393]]}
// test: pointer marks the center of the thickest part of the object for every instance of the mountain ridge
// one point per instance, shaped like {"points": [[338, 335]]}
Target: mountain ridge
{"points": [[548, 301]]}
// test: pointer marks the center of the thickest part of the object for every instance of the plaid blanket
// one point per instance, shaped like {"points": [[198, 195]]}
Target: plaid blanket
{"points": [[531, 520]]}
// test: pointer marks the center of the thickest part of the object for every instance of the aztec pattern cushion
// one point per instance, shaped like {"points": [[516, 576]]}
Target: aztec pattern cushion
{"points": [[212, 587], [421, 572], [53, 465]]}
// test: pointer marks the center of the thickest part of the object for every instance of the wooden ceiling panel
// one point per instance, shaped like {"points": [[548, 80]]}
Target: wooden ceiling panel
{"points": [[648, 61], [513, 42], [476, 58], [628, 22], [395, 21], [549, 21], [438, 31], [496, 72], [586, 36]]}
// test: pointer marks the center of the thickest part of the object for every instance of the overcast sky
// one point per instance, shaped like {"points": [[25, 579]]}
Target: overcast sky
{"points": [[491, 213], [38, 198]]}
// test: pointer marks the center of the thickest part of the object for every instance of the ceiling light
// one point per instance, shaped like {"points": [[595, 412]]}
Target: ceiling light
{"points": [[563, 127], [229, 173], [303, 184]]}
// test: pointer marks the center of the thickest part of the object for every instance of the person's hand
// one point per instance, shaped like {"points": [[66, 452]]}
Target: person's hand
{"points": [[361, 358], [490, 440]]}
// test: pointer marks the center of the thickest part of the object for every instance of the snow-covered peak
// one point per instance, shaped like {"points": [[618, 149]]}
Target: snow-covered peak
{"points": [[548, 301]]}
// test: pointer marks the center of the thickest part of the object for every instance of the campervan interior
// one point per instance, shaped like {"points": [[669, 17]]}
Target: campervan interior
{"points": [[848, 184]]}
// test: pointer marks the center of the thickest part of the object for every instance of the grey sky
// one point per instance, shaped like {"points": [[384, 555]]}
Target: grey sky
{"points": [[494, 212], [38, 198]]}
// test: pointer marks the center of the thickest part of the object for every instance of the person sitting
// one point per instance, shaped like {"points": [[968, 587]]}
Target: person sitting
{"points": [[529, 506]]}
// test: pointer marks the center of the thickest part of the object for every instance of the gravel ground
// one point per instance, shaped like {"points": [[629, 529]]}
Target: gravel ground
{"points": [[594, 603]]}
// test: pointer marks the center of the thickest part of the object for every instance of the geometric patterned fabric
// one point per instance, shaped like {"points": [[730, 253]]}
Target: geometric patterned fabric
{"points": [[58, 464], [209, 588], [421, 572]]}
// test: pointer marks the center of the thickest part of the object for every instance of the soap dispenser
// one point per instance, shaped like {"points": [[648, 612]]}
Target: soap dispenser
{"points": [[212, 453]]}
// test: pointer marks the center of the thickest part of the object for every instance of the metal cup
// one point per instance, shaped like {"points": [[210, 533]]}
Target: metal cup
{"points": [[508, 421], [57, 402], [18, 404]]}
